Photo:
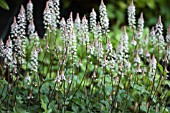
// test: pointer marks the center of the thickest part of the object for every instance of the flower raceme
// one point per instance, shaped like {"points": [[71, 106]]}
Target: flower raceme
{"points": [[14, 29], [93, 21], [131, 15], [1, 49], [29, 11], [104, 21]]}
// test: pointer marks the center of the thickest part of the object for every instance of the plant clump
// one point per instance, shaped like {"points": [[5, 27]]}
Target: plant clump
{"points": [[81, 65]]}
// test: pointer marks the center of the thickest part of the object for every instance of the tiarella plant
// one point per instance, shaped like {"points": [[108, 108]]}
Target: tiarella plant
{"points": [[83, 66]]}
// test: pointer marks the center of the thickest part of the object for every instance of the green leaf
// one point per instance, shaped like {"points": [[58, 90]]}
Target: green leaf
{"points": [[167, 82], [44, 105], [122, 4], [4, 5], [75, 108], [52, 104], [3, 82], [17, 110], [160, 67], [84, 111], [151, 4], [45, 88], [69, 112], [49, 111], [143, 108], [19, 99]]}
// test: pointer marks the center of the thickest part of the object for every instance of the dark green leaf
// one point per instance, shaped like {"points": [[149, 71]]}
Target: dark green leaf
{"points": [[160, 67], [44, 105], [4, 5]]}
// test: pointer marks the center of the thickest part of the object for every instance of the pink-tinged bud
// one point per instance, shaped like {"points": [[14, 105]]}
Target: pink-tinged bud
{"points": [[31, 27], [34, 49], [137, 58], [130, 76], [102, 2], [62, 75], [153, 57], [124, 29], [7, 43], [166, 70], [46, 6], [32, 22], [9, 39], [30, 1], [169, 29], [71, 15], [104, 58], [101, 45], [40, 49], [14, 20], [1, 42], [132, 4], [69, 80], [147, 54], [22, 10], [104, 64], [93, 10], [44, 38], [98, 24], [159, 20], [138, 70], [84, 17], [141, 15], [47, 46], [153, 30], [121, 65], [63, 21], [133, 42], [78, 16], [108, 40], [94, 74]]}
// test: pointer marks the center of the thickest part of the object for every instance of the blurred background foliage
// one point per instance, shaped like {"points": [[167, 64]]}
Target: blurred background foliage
{"points": [[4, 5], [117, 12]]}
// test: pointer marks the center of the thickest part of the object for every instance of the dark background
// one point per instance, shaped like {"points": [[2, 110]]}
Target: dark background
{"points": [[117, 12], [6, 16]]}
